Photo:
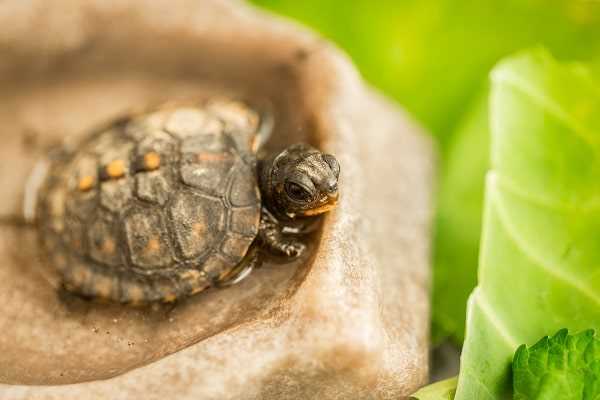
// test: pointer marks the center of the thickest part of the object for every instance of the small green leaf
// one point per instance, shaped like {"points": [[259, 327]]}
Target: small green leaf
{"points": [[443, 390], [565, 367]]}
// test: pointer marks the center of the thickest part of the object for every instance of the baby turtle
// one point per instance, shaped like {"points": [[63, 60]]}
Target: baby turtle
{"points": [[164, 204]]}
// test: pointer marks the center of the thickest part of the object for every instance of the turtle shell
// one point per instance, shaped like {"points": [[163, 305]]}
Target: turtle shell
{"points": [[156, 206]]}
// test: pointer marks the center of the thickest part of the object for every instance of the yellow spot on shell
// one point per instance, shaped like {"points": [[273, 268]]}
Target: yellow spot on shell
{"points": [[190, 275], [86, 183], [151, 161], [212, 157], [198, 229], [108, 246], [102, 286], [116, 169], [169, 298], [79, 275], [196, 279], [153, 245], [135, 294]]}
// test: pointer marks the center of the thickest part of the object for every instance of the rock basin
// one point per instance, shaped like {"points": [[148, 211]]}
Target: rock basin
{"points": [[350, 321]]}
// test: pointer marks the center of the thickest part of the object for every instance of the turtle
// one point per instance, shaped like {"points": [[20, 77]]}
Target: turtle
{"points": [[165, 203]]}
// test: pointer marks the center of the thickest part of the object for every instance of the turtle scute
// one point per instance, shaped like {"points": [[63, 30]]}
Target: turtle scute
{"points": [[156, 206]]}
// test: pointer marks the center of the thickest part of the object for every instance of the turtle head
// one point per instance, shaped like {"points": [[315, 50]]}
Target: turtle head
{"points": [[301, 181]]}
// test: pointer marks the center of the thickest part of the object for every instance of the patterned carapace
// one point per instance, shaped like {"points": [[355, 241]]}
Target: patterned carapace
{"points": [[139, 206]]}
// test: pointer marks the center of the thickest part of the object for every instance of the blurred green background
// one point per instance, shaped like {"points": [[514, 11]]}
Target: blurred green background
{"points": [[433, 57]]}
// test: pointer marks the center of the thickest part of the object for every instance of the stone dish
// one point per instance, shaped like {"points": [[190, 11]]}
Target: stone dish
{"points": [[350, 321]]}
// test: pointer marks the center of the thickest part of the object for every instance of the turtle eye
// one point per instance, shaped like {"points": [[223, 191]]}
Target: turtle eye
{"points": [[297, 193]]}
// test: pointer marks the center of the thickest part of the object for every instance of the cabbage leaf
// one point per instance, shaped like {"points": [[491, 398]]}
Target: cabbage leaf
{"points": [[539, 263]]}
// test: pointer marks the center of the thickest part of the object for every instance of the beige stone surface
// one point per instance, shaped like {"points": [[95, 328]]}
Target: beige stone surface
{"points": [[349, 322]]}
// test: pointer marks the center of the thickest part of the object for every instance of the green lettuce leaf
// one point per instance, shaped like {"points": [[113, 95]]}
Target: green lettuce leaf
{"points": [[565, 367], [539, 259], [443, 390]]}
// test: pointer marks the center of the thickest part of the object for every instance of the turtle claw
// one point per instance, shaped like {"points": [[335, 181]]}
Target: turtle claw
{"points": [[242, 270], [238, 276], [293, 249]]}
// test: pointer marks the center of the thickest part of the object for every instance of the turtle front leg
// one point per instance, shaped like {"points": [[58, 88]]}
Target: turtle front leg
{"points": [[272, 237]]}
